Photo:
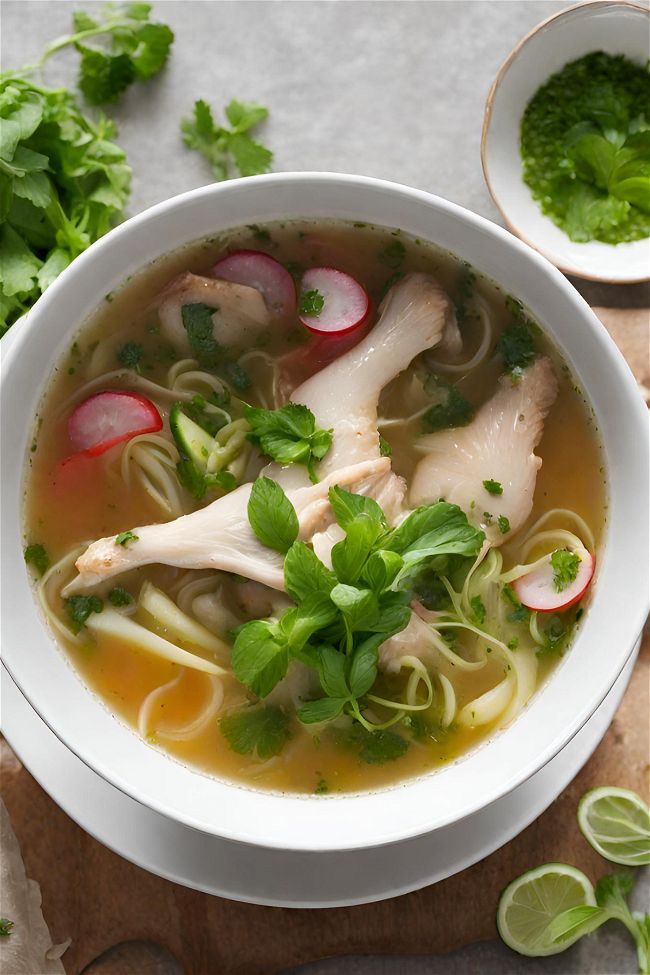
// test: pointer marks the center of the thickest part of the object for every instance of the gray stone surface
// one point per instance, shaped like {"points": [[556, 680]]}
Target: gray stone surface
{"points": [[388, 89]]}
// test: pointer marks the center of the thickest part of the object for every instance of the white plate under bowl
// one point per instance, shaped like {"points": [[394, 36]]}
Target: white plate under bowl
{"points": [[258, 875], [614, 27], [557, 711]]}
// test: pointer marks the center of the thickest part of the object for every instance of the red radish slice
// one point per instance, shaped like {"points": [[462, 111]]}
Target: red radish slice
{"points": [[107, 418], [537, 590], [346, 302], [261, 271]]}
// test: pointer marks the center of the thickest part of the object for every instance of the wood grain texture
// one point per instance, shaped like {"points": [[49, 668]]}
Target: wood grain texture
{"points": [[125, 921]]}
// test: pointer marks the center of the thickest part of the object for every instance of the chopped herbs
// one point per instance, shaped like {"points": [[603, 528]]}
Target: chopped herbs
{"points": [[479, 611], [312, 302], [379, 747], [130, 356], [464, 293], [585, 145], [79, 609], [125, 537], [321, 787], [120, 597], [37, 556], [5, 927], [289, 435], [519, 613], [272, 516], [263, 731], [565, 568], [493, 487], [197, 321], [450, 408], [231, 148], [385, 448], [393, 254], [504, 524]]}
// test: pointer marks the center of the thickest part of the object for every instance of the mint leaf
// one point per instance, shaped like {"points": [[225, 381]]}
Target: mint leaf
{"points": [[436, 529], [260, 656], [272, 516], [325, 709], [348, 506], [263, 731], [305, 574]]}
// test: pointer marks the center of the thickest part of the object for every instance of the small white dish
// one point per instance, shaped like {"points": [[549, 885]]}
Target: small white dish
{"points": [[614, 27], [276, 878]]}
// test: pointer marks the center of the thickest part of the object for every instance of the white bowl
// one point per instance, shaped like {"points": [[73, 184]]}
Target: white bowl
{"points": [[613, 27], [557, 712]]}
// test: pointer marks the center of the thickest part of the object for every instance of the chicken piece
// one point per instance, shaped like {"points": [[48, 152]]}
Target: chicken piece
{"points": [[240, 312], [344, 395], [498, 445], [218, 536]]}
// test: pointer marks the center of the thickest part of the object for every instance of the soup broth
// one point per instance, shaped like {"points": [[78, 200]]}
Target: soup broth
{"points": [[411, 719]]}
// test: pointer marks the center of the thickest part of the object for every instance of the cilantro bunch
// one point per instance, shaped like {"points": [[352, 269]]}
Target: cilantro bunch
{"points": [[342, 616], [63, 181]]}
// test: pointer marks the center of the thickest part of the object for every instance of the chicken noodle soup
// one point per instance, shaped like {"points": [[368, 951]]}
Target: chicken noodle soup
{"points": [[313, 506]]}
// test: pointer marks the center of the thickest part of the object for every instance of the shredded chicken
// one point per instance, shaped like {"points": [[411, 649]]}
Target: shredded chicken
{"points": [[240, 312], [218, 536], [498, 445]]}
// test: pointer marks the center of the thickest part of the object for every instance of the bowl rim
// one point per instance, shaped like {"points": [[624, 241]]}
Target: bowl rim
{"points": [[387, 799], [587, 7]]}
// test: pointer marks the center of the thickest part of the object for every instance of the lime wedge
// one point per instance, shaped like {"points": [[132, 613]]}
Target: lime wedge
{"points": [[529, 904], [617, 824]]}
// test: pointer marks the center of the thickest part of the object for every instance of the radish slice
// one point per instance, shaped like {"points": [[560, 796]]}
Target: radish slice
{"points": [[261, 271], [107, 418], [538, 591], [345, 306]]}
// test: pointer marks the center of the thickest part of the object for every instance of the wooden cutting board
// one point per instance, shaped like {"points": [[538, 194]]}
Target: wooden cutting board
{"points": [[101, 900]]}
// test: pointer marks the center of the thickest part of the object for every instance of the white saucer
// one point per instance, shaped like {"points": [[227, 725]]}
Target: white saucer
{"points": [[280, 878]]}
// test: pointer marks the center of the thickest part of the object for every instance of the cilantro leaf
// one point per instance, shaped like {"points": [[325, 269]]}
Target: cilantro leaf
{"points": [[504, 524], [288, 435], [272, 516], [225, 148], [130, 355], [125, 537], [449, 409], [263, 731], [37, 556], [120, 597], [197, 322], [5, 927], [565, 568], [79, 609], [516, 345], [311, 302], [493, 487]]}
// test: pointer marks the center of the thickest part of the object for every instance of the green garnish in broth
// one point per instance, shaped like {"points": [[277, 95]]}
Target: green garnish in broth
{"points": [[289, 435], [585, 145], [565, 568], [312, 302], [37, 556]]}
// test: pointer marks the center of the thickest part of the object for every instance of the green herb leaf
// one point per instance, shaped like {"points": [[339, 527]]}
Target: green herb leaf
{"points": [[565, 568], [79, 609], [260, 656], [120, 597], [359, 606], [437, 529], [385, 448], [324, 709], [363, 669], [350, 555], [125, 537], [37, 556], [479, 611], [332, 672], [311, 302], [130, 356], [493, 487], [393, 254], [517, 346], [288, 435], [347, 507], [5, 927], [197, 321], [381, 569], [272, 516], [504, 524], [449, 409], [263, 731], [379, 747], [305, 574], [225, 148]]}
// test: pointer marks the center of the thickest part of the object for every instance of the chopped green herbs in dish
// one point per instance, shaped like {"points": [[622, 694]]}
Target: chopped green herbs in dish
{"points": [[585, 145]]}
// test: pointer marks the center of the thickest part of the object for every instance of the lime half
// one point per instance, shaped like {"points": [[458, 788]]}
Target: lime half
{"points": [[617, 824], [529, 904]]}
